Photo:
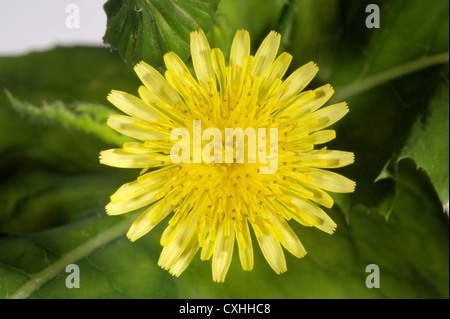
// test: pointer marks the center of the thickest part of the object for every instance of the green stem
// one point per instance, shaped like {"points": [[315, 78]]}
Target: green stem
{"points": [[389, 75], [286, 18], [42, 277]]}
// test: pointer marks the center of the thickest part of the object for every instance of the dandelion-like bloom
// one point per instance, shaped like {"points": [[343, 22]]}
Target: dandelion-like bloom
{"points": [[214, 203]]}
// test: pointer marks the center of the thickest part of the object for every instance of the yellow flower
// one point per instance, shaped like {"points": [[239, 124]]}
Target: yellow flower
{"points": [[214, 203]]}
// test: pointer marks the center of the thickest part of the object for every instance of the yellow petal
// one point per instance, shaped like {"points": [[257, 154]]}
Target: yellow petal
{"points": [[201, 57], [147, 221], [218, 62], [323, 221], [266, 53], [185, 258], [119, 158], [240, 48], [182, 240], [276, 71], [327, 116], [174, 63], [290, 241], [331, 159], [136, 188], [319, 196], [127, 126], [174, 74], [292, 107], [156, 83], [245, 246], [271, 249], [208, 249], [297, 81], [159, 106], [132, 106], [223, 253], [319, 137], [179, 84], [330, 181], [320, 96], [122, 207], [171, 231], [137, 148]]}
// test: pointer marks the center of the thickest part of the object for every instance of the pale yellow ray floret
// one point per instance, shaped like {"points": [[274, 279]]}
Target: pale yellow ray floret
{"points": [[211, 205]]}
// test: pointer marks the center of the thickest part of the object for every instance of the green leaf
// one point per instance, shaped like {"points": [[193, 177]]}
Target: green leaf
{"points": [[411, 250], [147, 29], [250, 15], [50, 174], [54, 190], [380, 73], [411, 246], [86, 117], [71, 74], [428, 141]]}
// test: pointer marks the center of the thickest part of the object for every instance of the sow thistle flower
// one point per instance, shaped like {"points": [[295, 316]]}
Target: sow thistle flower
{"points": [[214, 204]]}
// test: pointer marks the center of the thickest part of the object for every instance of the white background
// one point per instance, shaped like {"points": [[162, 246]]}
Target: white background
{"points": [[37, 25]]}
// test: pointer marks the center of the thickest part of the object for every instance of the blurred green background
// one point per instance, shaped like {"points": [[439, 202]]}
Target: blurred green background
{"points": [[53, 191]]}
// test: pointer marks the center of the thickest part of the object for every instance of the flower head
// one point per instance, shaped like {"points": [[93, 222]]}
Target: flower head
{"points": [[247, 159]]}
